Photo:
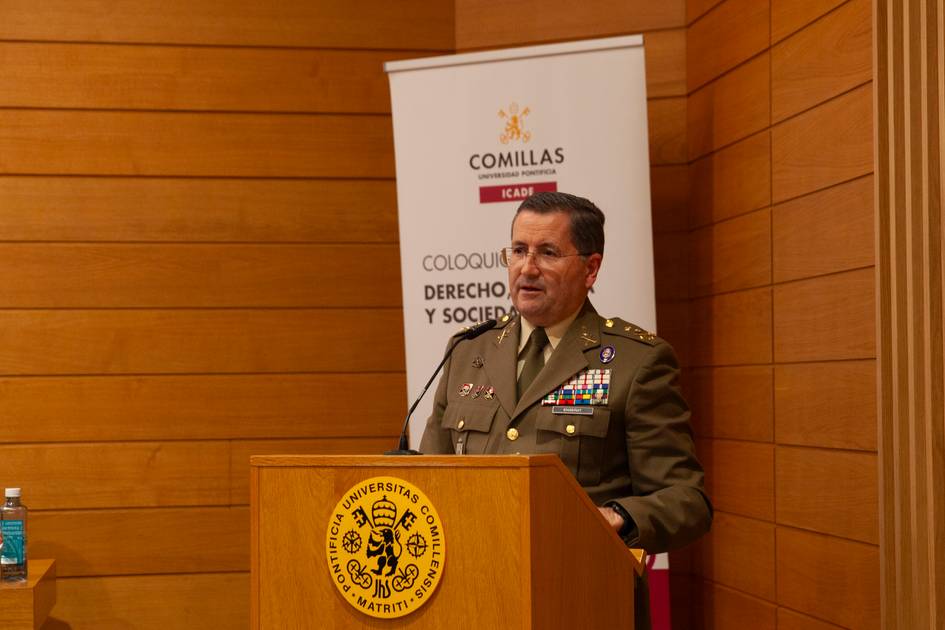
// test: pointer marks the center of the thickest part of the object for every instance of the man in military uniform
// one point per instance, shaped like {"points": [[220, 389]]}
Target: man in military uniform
{"points": [[559, 378]]}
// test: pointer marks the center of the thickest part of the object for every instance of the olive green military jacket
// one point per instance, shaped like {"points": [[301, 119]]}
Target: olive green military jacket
{"points": [[636, 449]]}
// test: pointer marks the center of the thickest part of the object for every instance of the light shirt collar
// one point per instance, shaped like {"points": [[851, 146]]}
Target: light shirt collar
{"points": [[555, 333]]}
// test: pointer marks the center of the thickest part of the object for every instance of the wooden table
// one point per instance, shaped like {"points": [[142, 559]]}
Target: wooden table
{"points": [[26, 605]]}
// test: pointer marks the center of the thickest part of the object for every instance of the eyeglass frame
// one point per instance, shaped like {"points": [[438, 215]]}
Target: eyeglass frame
{"points": [[506, 253]]}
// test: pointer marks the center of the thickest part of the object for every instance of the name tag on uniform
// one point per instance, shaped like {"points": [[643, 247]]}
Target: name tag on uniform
{"points": [[589, 387], [572, 411]]}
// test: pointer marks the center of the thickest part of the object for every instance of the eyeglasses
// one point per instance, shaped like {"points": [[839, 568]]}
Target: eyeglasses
{"points": [[544, 257]]}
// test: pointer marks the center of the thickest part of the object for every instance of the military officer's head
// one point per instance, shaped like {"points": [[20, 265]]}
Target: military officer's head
{"points": [[556, 252]]}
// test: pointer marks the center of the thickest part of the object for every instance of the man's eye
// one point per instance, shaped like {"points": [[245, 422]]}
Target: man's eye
{"points": [[519, 250], [548, 253]]}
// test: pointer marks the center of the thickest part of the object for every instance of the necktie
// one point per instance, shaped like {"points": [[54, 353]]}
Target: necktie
{"points": [[534, 352]]}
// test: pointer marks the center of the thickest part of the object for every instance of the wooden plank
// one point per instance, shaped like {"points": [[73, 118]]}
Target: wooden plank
{"points": [[789, 16], [827, 145], [733, 402], [825, 232], [697, 8], [179, 275], [672, 324], [826, 318], [135, 542], [829, 578], [157, 602], [71, 409], [832, 405], [725, 37], [723, 552], [715, 319], [484, 24], [666, 118], [731, 255], [833, 492], [730, 108], [199, 341], [242, 450], [670, 259], [790, 620], [68, 142], [825, 59], [723, 607], [739, 476], [669, 190], [665, 63], [206, 210], [732, 181], [411, 24], [194, 78], [118, 474]]}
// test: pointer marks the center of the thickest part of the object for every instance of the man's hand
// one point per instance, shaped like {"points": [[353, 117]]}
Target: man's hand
{"points": [[614, 519]]}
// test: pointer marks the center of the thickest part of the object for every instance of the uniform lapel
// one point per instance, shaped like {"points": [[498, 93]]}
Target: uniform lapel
{"points": [[566, 361], [500, 362]]}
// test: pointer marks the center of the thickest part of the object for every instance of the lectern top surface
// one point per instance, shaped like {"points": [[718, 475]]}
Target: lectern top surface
{"points": [[420, 461]]}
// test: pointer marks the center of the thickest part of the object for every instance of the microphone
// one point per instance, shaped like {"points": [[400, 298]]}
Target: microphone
{"points": [[403, 448]]}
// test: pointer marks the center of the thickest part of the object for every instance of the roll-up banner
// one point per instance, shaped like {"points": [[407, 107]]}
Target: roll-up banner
{"points": [[474, 135]]}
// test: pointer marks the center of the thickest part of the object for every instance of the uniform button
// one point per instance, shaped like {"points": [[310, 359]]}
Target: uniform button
{"points": [[570, 429], [512, 434], [461, 424]]}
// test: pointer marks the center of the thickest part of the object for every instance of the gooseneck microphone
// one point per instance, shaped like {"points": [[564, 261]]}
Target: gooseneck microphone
{"points": [[472, 332]]}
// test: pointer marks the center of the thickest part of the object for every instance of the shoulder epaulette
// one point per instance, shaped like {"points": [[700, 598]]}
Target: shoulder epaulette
{"points": [[501, 322], [623, 328]]}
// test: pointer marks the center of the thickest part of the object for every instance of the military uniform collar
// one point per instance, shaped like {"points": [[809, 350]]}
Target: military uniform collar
{"points": [[555, 333]]}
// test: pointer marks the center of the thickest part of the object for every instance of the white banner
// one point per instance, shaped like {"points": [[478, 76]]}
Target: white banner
{"points": [[475, 134]]}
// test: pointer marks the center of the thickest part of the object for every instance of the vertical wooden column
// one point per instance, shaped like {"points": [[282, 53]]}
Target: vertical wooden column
{"points": [[910, 112]]}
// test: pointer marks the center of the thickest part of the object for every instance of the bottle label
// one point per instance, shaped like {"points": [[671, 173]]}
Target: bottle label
{"points": [[12, 549]]}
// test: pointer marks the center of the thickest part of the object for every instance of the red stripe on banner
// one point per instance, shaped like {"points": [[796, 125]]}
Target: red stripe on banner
{"points": [[514, 192]]}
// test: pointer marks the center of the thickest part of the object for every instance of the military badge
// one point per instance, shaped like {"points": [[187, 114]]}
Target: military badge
{"points": [[490, 393], [385, 547], [607, 354], [590, 387], [465, 389]]}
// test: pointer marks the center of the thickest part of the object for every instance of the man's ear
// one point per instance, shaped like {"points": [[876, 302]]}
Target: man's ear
{"points": [[593, 263]]}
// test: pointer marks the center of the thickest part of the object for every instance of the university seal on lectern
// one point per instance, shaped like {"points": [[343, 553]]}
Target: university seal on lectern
{"points": [[385, 547]]}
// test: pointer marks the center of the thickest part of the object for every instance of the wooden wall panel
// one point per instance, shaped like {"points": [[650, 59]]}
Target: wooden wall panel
{"points": [[69, 409], [669, 195], [416, 24], [828, 491], [788, 16], [157, 276], [713, 46], [89, 76], [138, 542], [135, 474], [825, 232], [671, 262], [746, 314], [242, 450], [831, 317], [672, 324], [730, 108], [68, 142], [665, 63], [790, 620], [739, 476], [484, 24], [727, 608], [203, 210], [740, 253], [829, 578], [827, 145], [156, 602], [732, 402], [697, 8], [666, 118], [733, 181], [724, 550], [201, 341], [825, 59], [831, 405]]}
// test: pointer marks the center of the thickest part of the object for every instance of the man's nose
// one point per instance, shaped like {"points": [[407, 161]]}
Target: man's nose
{"points": [[529, 267]]}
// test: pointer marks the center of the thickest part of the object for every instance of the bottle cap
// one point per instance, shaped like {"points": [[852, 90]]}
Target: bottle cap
{"points": [[12, 492]]}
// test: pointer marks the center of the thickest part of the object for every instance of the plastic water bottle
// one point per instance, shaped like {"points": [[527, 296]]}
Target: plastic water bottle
{"points": [[13, 538]]}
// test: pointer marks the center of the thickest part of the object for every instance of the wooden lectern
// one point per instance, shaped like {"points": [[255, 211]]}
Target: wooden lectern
{"points": [[525, 546]]}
